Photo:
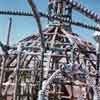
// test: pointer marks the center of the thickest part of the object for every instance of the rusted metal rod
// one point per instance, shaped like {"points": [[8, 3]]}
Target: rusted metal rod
{"points": [[9, 31]]}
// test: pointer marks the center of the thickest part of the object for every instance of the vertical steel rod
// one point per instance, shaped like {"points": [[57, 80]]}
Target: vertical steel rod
{"points": [[19, 49], [9, 31], [98, 65], [37, 17], [2, 75]]}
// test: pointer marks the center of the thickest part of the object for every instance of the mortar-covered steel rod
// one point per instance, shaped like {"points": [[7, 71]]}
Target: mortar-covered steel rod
{"points": [[41, 95], [5, 55], [37, 17], [2, 75], [76, 23], [19, 49], [85, 11]]}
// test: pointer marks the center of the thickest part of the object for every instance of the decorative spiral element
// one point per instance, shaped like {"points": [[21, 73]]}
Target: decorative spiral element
{"points": [[84, 10], [22, 13]]}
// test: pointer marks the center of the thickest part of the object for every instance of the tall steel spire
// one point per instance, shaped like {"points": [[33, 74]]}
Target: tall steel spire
{"points": [[62, 9]]}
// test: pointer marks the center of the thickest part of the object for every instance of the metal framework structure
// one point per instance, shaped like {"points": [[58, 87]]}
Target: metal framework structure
{"points": [[55, 63]]}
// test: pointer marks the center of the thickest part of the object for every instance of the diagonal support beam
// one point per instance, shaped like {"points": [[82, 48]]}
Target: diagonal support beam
{"points": [[37, 17]]}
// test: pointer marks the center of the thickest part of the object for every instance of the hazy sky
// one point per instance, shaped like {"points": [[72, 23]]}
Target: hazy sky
{"points": [[25, 26]]}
